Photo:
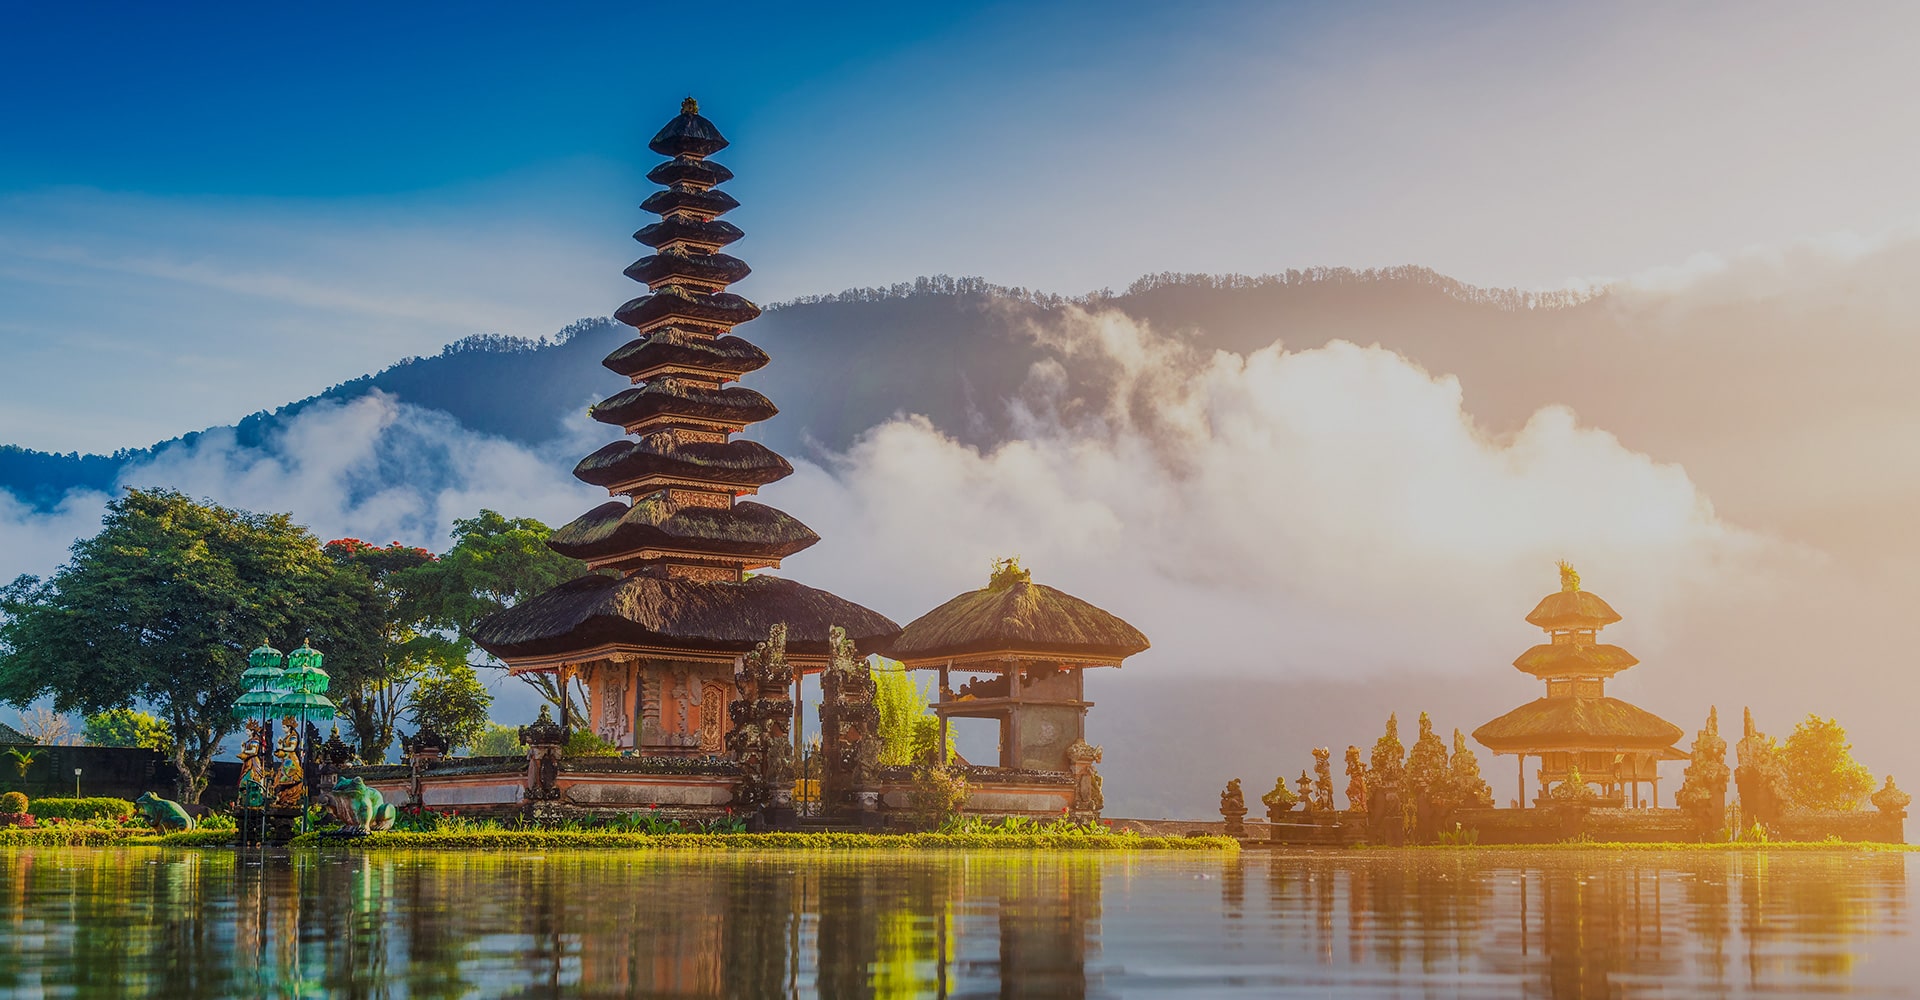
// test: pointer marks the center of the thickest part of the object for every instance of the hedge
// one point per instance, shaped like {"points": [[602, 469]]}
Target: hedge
{"points": [[520, 840], [80, 808], [99, 836]]}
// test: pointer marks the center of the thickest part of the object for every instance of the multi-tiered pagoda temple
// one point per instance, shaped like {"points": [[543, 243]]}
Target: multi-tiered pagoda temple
{"points": [[1613, 744], [655, 633]]}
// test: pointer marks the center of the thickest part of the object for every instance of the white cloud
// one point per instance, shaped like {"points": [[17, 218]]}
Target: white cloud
{"points": [[1323, 510]]}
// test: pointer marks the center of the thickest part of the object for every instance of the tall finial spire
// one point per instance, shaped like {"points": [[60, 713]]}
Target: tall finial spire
{"points": [[689, 106], [1569, 577]]}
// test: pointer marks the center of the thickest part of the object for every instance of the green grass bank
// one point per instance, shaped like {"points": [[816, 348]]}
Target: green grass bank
{"points": [[555, 840]]}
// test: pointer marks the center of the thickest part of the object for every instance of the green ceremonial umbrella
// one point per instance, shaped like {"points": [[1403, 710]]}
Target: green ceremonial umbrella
{"points": [[263, 678], [306, 706], [303, 671]]}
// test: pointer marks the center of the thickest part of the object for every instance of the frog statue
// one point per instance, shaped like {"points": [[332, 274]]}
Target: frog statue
{"points": [[165, 815], [358, 809]]}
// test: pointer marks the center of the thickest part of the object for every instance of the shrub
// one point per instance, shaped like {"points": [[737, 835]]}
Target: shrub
{"points": [[13, 802], [939, 793], [584, 743], [81, 809]]}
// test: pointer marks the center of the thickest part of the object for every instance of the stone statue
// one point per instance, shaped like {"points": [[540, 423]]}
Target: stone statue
{"points": [[1280, 801], [545, 741], [762, 716], [1233, 809], [359, 810], [1305, 784], [1703, 789], [166, 815], [290, 779], [1760, 776], [256, 767], [1322, 780], [849, 728], [1891, 800], [1087, 797], [1356, 781]]}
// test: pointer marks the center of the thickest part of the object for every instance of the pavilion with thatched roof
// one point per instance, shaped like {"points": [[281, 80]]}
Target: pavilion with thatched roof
{"points": [[1611, 743], [1031, 643]]}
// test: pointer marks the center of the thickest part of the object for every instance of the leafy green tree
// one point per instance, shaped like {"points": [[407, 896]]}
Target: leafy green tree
{"points": [[497, 740], [161, 607], [450, 699], [908, 731], [126, 727], [1821, 771], [496, 561], [393, 641]]}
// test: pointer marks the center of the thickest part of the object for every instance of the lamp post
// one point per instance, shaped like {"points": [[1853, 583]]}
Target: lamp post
{"points": [[76, 782], [305, 700]]}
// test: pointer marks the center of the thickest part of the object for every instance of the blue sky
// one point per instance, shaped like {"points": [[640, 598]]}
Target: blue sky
{"points": [[236, 206]]}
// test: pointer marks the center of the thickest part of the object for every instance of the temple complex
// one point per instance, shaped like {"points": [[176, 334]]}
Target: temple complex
{"points": [[692, 657], [1576, 727], [655, 635]]}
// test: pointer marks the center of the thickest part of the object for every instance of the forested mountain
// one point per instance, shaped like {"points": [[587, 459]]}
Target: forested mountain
{"points": [[951, 349]]}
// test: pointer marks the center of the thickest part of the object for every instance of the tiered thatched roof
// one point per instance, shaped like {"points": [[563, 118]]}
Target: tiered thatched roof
{"points": [[10, 735], [649, 613], [1562, 659]]}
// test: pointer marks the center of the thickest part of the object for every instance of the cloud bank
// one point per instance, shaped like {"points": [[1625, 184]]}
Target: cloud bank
{"points": [[1319, 511]]}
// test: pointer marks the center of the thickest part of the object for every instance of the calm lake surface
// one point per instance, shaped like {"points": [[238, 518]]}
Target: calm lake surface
{"points": [[145, 921]]}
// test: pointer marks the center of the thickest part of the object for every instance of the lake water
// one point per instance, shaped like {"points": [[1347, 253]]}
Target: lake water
{"points": [[137, 922]]}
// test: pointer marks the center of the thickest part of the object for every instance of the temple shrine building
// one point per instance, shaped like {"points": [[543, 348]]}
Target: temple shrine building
{"points": [[690, 652], [1612, 743]]}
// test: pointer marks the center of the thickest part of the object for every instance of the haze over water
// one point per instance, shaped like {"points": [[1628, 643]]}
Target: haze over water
{"points": [[103, 923]]}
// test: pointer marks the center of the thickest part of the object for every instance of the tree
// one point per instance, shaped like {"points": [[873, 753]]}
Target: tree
{"points": [[46, 727], [391, 643], [497, 740], [908, 731], [126, 727], [1821, 771], [162, 607], [496, 561], [450, 700]]}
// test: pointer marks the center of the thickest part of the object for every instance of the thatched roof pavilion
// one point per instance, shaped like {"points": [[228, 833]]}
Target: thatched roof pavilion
{"points": [[1013, 616], [1576, 726], [656, 631], [1034, 642]]}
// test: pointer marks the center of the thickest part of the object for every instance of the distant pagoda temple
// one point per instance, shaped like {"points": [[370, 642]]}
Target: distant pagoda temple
{"points": [[1612, 744], [657, 633]]}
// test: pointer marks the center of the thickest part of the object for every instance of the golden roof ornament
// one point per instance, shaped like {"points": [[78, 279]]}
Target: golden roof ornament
{"points": [[1007, 572], [689, 106], [1569, 577]]}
